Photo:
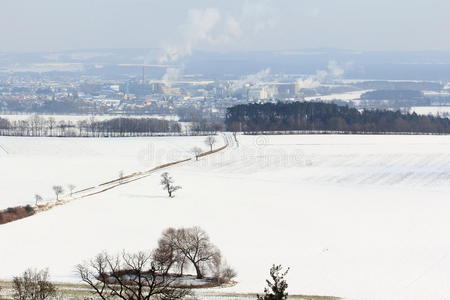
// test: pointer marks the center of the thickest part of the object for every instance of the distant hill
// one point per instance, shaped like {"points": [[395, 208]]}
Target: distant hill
{"points": [[380, 65]]}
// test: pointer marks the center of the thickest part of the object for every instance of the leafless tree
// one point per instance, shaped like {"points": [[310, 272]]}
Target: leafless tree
{"points": [[81, 125], [37, 198], [168, 184], [121, 175], [130, 277], [222, 272], [33, 285], [71, 189], [210, 141], [58, 191], [235, 127], [197, 151], [51, 125], [167, 252], [36, 123], [194, 245]]}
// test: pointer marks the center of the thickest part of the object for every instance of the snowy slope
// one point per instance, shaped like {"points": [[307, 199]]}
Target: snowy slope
{"points": [[363, 217], [33, 165]]}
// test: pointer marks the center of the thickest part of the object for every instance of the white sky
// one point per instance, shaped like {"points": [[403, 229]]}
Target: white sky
{"points": [[30, 25]]}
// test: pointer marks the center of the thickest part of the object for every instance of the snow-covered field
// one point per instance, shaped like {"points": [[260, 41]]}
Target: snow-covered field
{"points": [[349, 96], [362, 217], [33, 165], [76, 118], [443, 111]]}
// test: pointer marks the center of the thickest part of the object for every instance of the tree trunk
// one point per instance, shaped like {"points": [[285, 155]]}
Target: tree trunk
{"points": [[181, 269], [199, 272]]}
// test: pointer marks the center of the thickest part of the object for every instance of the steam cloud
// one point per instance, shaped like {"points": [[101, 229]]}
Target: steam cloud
{"points": [[250, 79], [212, 29], [334, 71]]}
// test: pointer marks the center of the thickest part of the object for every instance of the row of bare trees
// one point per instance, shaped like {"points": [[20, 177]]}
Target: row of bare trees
{"points": [[210, 141], [58, 190], [39, 126]]}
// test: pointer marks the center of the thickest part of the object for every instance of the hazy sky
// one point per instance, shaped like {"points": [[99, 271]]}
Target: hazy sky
{"points": [[30, 25]]}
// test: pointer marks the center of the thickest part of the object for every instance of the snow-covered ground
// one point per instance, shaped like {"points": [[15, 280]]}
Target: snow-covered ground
{"points": [[33, 165], [443, 111], [349, 96], [76, 118], [362, 217]]}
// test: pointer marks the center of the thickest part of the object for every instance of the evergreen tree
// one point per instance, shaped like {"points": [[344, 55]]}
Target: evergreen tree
{"points": [[276, 289]]}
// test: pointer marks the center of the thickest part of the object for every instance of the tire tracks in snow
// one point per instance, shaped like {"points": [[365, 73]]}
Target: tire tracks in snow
{"points": [[109, 185]]}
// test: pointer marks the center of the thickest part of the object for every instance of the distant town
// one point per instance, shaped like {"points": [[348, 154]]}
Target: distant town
{"points": [[193, 98]]}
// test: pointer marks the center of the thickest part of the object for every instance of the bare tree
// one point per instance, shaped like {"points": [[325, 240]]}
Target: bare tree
{"points": [[167, 252], [235, 127], [222, 272], [197, 151], [130, 277], [58, 191], [168, 184], [194, 245], [71, 189], [121, 175], [37, 198], [51, 125], [210, 141], [33, 285]]}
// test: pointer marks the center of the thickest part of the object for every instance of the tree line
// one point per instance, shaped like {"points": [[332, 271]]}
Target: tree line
{"points": [[40, 126], [283, 116]]}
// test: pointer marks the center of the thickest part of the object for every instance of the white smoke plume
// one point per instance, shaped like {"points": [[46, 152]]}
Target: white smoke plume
{"points": [[214, 29], [171, 75], [251, 79], [333, 71]]}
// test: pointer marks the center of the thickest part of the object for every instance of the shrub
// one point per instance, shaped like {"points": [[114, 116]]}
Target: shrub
{"points": [[29, 209], [15, 213], [11, 210], [33, 285], [276, 289]]}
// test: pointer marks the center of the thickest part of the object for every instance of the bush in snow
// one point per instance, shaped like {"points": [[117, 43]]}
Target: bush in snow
{"points": [[33, 285], [276, 289]]}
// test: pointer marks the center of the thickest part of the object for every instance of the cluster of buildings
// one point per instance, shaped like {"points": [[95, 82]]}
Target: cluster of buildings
{"points": [[72, 94], [198, 98]]}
